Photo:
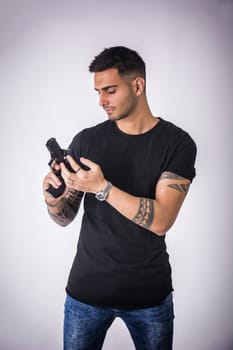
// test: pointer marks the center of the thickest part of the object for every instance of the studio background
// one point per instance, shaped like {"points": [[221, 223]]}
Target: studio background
{"points": [[46, 90]]}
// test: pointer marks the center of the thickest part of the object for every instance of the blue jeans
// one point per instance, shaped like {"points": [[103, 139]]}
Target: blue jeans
{"points": [[85, 326]]}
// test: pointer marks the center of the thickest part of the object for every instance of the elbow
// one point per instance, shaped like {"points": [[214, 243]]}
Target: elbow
{"points": [[162, 228], [65, 221], [164, 219], [64, 224], [160, 232]]}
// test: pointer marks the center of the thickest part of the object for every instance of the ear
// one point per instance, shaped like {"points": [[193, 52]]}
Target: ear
{"points": [[139, 85]]}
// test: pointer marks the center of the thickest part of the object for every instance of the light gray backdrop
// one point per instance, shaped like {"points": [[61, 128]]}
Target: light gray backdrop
{"points": [[46, 90]]}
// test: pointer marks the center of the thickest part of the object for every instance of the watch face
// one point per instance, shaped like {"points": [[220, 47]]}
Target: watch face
{"points": [[100, 196]]}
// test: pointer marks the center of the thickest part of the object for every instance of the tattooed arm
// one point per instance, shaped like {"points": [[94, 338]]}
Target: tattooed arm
{"points": [[66, 209], [155, 215]]}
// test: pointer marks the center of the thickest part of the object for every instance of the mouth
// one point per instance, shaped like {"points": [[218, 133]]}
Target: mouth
{"points": [[109, 110]]}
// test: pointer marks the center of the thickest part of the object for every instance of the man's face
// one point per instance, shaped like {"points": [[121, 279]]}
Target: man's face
{"points": [[116, 95]]}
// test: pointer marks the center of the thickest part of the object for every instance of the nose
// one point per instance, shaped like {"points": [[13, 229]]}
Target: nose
{"points": [[102, 100]]}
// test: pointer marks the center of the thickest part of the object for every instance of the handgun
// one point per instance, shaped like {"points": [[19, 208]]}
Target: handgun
{"points": [[59, 156]]}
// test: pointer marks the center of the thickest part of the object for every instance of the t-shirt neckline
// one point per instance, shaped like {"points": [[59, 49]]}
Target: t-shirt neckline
{"points": [[122, 133]]}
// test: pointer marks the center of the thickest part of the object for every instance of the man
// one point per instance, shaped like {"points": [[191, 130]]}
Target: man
{"points": [[139, 171]]}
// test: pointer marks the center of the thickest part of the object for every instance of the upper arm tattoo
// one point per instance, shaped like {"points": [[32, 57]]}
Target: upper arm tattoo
{"points": [[171, 176], [180, 187], [145, 214]]}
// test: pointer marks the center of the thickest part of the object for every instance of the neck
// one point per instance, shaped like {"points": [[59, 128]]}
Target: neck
{"points": [[138, 122]]}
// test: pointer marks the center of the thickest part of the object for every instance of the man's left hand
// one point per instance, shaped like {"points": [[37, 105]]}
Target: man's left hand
{"points": [[90, 181]]}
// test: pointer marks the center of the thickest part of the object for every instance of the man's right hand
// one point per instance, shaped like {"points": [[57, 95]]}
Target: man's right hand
{"points": [[53, 180]]}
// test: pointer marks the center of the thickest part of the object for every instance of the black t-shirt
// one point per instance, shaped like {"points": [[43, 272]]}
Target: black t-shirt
{"points": [[118, 263]]}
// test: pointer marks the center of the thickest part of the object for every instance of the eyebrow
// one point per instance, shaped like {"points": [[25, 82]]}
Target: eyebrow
{"points": [[106, 87]]}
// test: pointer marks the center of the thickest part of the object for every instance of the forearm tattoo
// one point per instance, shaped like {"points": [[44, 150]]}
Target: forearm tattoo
{"points": [[69, 208], [145, 214], [171, 176]]}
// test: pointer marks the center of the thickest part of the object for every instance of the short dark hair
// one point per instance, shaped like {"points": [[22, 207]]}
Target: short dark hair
{"points": [[127, 61]]}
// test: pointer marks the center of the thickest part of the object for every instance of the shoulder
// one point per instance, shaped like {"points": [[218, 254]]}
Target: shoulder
{"points": [[172, 129], [88, 133], [176, 135], [181, 151]]}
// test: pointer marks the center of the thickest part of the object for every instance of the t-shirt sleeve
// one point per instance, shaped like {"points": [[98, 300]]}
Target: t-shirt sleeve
{"points": [[182, 159]]}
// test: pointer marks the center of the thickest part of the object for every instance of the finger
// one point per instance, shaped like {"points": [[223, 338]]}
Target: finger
{"points": [[65, 172], [64, 169], [55, 179], [72, 162], [55, 166], [51, 179], [68, 176], [89, 163]]}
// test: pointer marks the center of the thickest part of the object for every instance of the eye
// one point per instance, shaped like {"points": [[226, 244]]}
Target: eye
{"points": [[111, 91]]}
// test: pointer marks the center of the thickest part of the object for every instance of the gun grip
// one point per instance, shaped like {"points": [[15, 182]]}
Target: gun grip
{"points": [[57, 192]]}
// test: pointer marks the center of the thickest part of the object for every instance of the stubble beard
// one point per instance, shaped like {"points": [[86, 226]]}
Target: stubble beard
{"points": [[119, 117], [128, 111]]}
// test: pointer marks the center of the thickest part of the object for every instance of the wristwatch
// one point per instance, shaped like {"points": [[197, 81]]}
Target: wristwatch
{"points": [[103, 195]]}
